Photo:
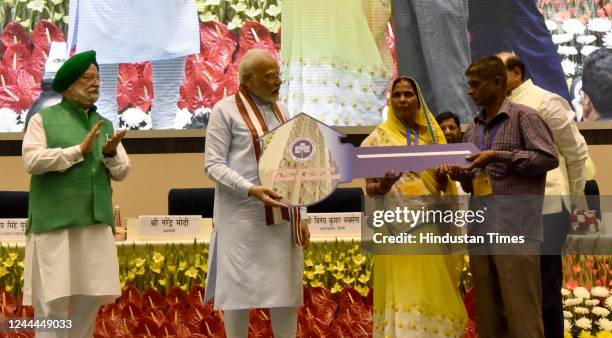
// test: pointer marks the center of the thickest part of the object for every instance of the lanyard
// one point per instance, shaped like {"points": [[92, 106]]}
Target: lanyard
{"points": [[416, 136], [491, 136]]}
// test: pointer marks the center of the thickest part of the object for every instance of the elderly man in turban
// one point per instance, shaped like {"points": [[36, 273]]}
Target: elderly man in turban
{"points": [[72, 153]]}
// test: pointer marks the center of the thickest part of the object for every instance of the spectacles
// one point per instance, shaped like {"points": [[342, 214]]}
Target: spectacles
{"points": [[91, 79]]}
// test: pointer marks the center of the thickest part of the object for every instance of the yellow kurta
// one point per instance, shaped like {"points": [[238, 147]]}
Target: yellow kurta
{"points": [[416, 296]]}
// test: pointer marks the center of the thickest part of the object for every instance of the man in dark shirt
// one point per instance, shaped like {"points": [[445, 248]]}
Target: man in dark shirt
{"points": [[517, 150]]}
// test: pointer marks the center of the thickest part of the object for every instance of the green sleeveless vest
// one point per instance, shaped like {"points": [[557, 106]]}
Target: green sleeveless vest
{"points": [[82, 195]]}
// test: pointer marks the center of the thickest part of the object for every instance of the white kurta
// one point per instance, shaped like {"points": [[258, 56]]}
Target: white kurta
{"points": [[136, 30], [251, 264], [69, 261]]}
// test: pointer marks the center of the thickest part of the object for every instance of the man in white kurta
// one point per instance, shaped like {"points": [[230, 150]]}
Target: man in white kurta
{"points": [[564, 184], [70, 271], [161, 31], [252, 264]]}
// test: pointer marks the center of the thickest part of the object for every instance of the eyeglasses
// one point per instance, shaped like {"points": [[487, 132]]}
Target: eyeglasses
{"points": [[91, 79]]}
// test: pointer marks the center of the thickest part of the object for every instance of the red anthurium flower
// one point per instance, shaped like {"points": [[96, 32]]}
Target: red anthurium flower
{"points": [[17, 57], [167, 329], [232, 82], [153, 300], [256, 35], [7, 76], [253, 33], [46, 32], [13, 34], [130, 294], [115, 326], [260, 324], [198, 65], [157, 315], [123, 95], [146, 70], [196, 294], [37, 62], [177, 313], [141, 95], [340, 328], [182, 330], [131, 311], [25, 311], [197, 94], [8, 306], [348, 296], [147, 326], [212, 326], [128, 72], [15, 98], [217, 43]]}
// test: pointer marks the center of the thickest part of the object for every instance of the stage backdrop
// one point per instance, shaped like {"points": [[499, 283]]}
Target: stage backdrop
{"points": [[227, 30]]}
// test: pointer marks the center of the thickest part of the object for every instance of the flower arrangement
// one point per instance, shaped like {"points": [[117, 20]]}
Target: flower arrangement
{"points": [[163, 293], [587, 296], [162, 285], [28, 13], [228, 29], [237, 12], [585, 222], [333, 266], [587, 313], [578, 28], [23, 57]]}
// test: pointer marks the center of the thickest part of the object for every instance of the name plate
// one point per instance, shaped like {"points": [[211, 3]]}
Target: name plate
{"points": [[170, 226], [13, 229], [336, 224]]}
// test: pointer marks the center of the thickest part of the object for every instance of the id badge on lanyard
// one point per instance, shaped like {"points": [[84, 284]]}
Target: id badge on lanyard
{"points": [[483, 183]]}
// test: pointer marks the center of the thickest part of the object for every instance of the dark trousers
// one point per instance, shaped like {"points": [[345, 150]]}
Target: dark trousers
{"points": [[556, 227], [508, 293], [517, 25]]}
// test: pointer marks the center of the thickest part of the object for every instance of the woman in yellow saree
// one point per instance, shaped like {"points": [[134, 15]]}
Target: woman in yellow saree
{"points": [[414, 296]]}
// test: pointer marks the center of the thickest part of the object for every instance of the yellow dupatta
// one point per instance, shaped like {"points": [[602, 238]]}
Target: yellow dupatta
{"points": [[393, 132]]}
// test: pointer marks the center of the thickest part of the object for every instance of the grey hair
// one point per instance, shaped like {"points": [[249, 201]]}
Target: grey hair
{"points": [[250, 60]]}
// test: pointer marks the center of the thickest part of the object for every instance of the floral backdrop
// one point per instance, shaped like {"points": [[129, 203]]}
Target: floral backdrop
{"points": [[163, 293], [578, 28], [228, 29]]}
